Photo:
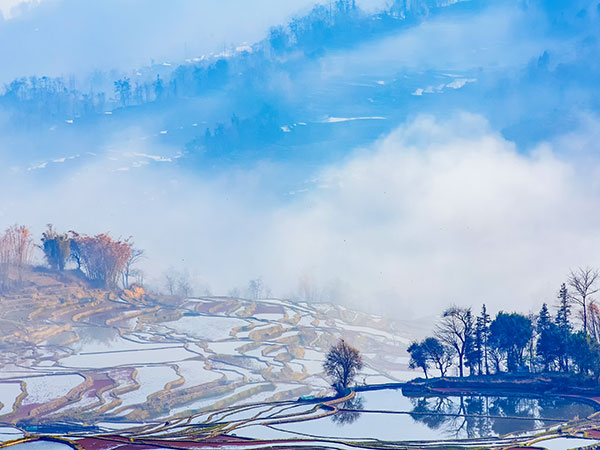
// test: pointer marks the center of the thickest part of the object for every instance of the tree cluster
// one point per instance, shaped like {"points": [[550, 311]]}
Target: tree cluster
{"points": [[103, 260], [340, 23], [16, 251], [513, 342], [178, 283]]}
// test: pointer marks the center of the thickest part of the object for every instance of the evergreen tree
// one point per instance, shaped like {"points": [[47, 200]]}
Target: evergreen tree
{"points": [[549, 337], [418, 357], [478, 337], [56, 247], [123, 90], [549, 345], [584, 352], [564, 327], [564, 309], [158, 88], [544, 321], [471, 352], [510, 334], [483, 324]]}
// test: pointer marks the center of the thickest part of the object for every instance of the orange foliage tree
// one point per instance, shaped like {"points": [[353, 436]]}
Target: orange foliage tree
{"points": [[101, 257], [593, 320]]}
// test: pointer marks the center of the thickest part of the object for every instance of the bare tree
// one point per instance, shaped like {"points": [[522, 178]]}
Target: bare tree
{"points": [[16, 252], [342, 364], [439, 354], [454, 330], [257, 289], [136, 255], [308, 289], [5, 260], [178, 283], [583, 283], [496, 358], [234, 293], [22, 247], [184, 285], [139, 276], [171, 281]]}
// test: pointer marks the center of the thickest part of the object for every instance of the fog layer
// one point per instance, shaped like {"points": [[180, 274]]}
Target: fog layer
{"points": [[439, 211]]}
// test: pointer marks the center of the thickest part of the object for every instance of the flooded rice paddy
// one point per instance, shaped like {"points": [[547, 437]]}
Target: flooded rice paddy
{"points": [[374, 419], [390, 416], [98, 358]]}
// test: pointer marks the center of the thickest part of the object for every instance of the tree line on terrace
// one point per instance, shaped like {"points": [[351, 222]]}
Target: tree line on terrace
{"points": [[513, 342], [103, 260], [336, 24]]}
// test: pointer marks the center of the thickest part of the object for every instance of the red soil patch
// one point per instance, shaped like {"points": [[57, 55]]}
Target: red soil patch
{"points": [[269, 309], [593, 434], [101, 383], [24, 410]]}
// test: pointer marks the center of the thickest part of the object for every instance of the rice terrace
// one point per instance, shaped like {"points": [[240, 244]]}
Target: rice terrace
{"points": [[94, 368]]}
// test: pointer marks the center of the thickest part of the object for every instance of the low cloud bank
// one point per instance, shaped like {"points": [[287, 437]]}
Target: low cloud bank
{"points": [[447, 211]]}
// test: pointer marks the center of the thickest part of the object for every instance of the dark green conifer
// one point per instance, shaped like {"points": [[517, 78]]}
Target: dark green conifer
{"points": [[564, 327], [483, 324]]}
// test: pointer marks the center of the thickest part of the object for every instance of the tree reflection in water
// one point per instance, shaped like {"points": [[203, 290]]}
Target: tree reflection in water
{"points": [[483, 416], [94, 334], [349, 411], [467, 416]]}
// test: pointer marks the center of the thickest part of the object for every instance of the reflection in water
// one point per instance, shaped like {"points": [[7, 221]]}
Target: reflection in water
{"points": [[467, 416], [349, 411], [430, 411], [92, 334], [482, 416], [389, 415]]}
